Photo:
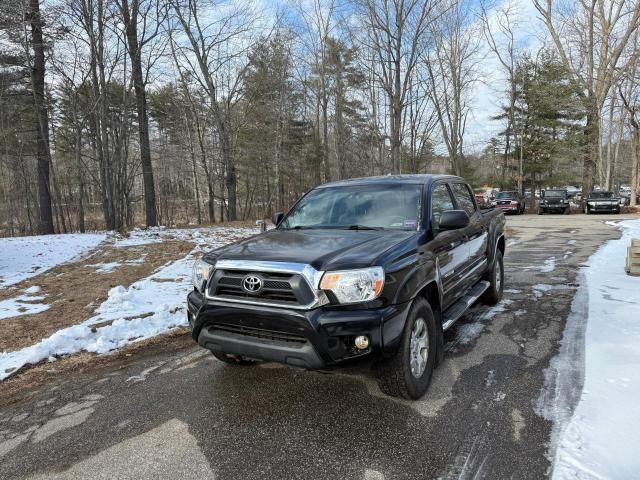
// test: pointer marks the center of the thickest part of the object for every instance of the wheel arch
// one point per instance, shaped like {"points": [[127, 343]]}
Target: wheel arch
{"points": [[432, 294]]}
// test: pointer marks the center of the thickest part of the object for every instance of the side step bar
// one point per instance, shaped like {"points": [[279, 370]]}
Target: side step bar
{"points": [[455, 311]]}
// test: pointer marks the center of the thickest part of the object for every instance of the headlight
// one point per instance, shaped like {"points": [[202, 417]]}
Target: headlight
{"points": [[353, 286], [200, 274]]}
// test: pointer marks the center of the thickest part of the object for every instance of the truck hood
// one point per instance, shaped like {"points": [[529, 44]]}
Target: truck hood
{"points": [[324, 249]]}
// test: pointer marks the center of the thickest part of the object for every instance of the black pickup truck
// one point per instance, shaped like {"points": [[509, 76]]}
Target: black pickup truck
{"points": [[375, 267]]}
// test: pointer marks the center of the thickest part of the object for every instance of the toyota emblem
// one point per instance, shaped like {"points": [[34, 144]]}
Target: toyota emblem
{"points": [[252, 284]]}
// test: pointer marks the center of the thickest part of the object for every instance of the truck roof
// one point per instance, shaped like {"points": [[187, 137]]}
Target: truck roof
{"points": [[422, 179]]}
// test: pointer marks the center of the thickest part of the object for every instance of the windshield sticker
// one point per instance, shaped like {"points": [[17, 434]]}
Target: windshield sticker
{"points": [[410, 224]]}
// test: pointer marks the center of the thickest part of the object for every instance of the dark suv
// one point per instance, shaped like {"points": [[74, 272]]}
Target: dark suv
{"points": [[374, 267], [602, 202], [554, 201]]}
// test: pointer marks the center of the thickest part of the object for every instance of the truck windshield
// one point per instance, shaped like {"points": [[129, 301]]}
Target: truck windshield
{"points": [[358, 207], [554, 193], [502, 195], [601, 195]]}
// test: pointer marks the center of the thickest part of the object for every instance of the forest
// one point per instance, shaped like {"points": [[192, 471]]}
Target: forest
{"points": [[123, 113]]}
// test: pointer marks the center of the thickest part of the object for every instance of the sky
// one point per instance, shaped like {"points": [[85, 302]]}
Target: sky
{"points": [[489, 92]]}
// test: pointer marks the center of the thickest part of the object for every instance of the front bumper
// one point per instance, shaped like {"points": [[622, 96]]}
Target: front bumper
{"points": [[508, 208], [554, 206], [304, 338], [604, 208]]}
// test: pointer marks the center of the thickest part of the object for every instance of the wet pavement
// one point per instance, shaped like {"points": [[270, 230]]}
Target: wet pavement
{"points": [[185, 415]]}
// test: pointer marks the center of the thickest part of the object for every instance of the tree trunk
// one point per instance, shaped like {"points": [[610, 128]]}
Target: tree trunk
{"points": [[42, 116], [635, 165], [80, 176], [131, 23], [591, 154]]}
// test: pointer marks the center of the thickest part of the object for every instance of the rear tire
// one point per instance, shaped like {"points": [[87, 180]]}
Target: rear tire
{"points": [[495, 277], [234, 359], [408, 373]]}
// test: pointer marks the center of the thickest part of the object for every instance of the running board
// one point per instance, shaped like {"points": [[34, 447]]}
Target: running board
{"points": [[455, 311]]}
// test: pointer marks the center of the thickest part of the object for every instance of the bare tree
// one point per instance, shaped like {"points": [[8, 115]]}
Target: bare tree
{"points": [[499, 26], [629, 90], [591, 37], [220, 58], [148, 15], [452, 73], [318, 21], [396, 32]]}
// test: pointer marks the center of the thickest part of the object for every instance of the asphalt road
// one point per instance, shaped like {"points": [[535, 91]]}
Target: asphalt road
{"points": [[185, 415]]}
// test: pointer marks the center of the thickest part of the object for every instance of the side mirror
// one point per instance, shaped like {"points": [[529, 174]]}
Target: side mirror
{"points": [[276, 218], [453, 220]]}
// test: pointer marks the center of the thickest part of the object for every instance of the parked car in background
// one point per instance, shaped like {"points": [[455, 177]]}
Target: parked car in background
{"points": [[510, 201], [602, 202], [481, 200], [572, 191], [554, 201]]}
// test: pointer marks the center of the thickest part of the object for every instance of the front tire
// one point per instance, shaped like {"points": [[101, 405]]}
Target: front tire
{"points": [[540, 211], [408, 373], [493, 294], [234, 359], [587, 211]]}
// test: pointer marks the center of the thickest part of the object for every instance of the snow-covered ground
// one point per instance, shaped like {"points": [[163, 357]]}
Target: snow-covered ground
{"points": [[26, 303], [601, 438], [148, 307], [26, 257]]}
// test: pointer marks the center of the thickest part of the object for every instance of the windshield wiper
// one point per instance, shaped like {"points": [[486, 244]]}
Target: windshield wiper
{"points": [[363, 227]]}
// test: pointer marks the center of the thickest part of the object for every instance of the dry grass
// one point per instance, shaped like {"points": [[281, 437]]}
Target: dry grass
{"points": [[74, 290]]}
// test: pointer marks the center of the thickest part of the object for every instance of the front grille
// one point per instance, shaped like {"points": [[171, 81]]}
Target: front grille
{"points": [[278, 288], [258, 333]]}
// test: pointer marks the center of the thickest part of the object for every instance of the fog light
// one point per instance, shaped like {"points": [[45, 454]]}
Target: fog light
{"points": [[362, 342]]}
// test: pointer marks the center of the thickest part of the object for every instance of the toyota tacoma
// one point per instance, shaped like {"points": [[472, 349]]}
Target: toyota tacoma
{"points": [[375, 267]]}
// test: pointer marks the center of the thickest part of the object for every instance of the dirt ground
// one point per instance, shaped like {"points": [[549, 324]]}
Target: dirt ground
{"points": [[74, 290]]}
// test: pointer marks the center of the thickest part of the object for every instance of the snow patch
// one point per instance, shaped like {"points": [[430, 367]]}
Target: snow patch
{"points": [[512, 290], [549, 265], [107, 267], [596, 431], [467, 332], [148, 307], [26, 257], [540, 289], [25, 304]]}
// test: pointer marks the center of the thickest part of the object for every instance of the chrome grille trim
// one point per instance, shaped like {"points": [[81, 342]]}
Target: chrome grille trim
{"points": [[310, 275]]}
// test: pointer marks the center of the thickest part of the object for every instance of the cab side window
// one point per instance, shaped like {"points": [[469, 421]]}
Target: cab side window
{"points": [[464, 198], [440, 202]]}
